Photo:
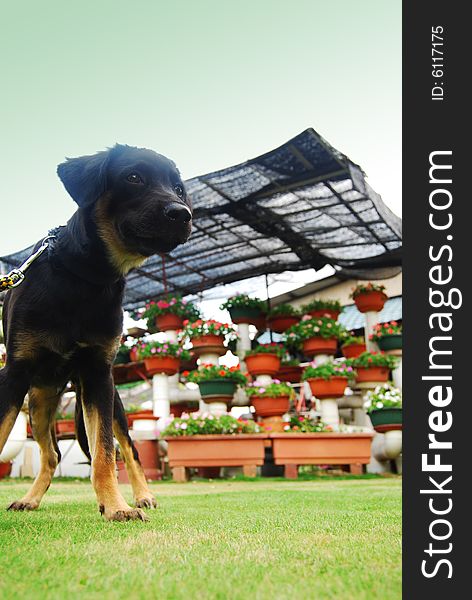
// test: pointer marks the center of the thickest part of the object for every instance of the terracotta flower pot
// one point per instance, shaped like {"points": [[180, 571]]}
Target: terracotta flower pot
{"points": [[65, 426], [292, 374], [245, 314], [133, 354], [328, 388], [217, 390], [262, 364], [178, 408], [331, 313], [387, 419], [270, 406], [148, 451], [281, 323], [168, 322], [371, 301], [208, 344], [142, 414], [5, 469], [168, 365], [391, 342], [377, 374], [320, 345], [353, 350]]}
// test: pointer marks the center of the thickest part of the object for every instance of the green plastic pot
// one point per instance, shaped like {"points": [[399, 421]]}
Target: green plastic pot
{"points": [[244, 314], [386, 416], [217, 387], [391, 342]]}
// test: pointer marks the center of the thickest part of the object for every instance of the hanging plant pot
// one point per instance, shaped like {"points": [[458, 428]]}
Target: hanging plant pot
{"points": [[178, 408], [391, 342], [65, 426], [328, 388], [331, 313], [208, 344], [281, 323], [386, 419], [367, 374], [353, 350], [320, 345], [245, 314], [262, 364], [370, 301], [217, 390], [270, 406], [292, 374], [167, 365], [168, 322]]}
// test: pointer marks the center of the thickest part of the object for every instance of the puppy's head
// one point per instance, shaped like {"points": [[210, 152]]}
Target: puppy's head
{"points": [[135, 196]]}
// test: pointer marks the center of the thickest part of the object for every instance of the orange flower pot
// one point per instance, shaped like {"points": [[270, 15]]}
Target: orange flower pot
{"points": [[281, 323], [292, 374], [372, 301], [168, 322], [325, 312], [208, 344], [65, 426], [142, 414], [270, 406], [353, 350], [320, 345], [262, 364], [377, 374], [328, 388], [168, 365], [133, 354]]}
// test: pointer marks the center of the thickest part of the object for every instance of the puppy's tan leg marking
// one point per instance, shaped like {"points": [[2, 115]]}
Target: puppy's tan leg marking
{"points": [[43, 404], [6, 425], [143, 497], [111, 503]]}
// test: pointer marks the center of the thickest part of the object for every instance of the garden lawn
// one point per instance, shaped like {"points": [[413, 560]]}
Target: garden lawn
{"points": [[327, 538]]}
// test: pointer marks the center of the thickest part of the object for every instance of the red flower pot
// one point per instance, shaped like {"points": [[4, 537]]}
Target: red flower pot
{"points": [[320, 345], [331, 313], [5, 469], [168, 322], [133, 354], [377, 374], [328, 388], [281, 323], [168, 365], [353, 350], [372, 301], [292, 374], [208, 344], [262, 364], [270, 406], [65, 426]]}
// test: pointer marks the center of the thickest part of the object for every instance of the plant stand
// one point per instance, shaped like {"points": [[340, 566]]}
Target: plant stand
{"points": [[371, 319]]}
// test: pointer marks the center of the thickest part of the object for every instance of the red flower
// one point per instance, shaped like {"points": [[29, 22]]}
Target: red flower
{"points": [[185, 373]]}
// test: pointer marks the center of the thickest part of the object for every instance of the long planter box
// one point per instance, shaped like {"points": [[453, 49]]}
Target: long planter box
{"points": [[321, 449], [241, 450]]}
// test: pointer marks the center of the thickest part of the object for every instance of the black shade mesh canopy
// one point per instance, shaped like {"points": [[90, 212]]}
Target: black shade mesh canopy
{"points": [[300, 206]]}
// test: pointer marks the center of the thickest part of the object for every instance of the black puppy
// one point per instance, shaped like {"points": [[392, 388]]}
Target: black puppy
{"points": [[64, 322]]}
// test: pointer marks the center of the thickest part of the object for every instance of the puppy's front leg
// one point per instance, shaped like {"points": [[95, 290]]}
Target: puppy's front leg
{"points": [[97, 402]]}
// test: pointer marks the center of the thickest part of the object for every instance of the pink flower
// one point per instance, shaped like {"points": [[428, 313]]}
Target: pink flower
{"points": [[261, 390]]}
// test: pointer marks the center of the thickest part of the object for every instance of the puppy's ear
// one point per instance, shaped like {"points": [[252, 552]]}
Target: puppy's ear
{"points": [[85, 178]]}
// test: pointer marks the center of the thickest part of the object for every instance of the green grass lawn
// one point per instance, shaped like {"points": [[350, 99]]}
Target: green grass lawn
{"points": [[325, 538]]}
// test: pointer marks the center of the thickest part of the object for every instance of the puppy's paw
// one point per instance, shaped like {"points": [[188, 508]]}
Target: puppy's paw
{"points": [[22, 505], [125, 514], [146, 502]]}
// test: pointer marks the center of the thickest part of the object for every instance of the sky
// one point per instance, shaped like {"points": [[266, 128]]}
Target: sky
{"points": [[209, 83]]}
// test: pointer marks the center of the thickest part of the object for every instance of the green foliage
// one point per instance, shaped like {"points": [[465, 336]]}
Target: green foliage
{"points": [[300, 424], [205, 424], [374, 359], [212, 372], [350, 340], [365, 288], [319, 304], [272, 390], [283, 310], [328, 370], [316, 327], [171, 304], [384, 396], [210, 327], [272, 348], [243, 300], [153, 349], [382, 330]]}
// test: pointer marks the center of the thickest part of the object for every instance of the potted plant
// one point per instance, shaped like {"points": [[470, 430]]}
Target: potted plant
{"points": [[206, 440], [290, 370], [65, 423], [328, 380], [352, 346], [161, 357], [169, 313], [369, 297], [280, 318], [208, 336], [217, 383], [388, 335], [264, 359], [136, 413], [315, 336], [373, 366], [301, 424], [270, 400], [123, 355], [323, 308], [384, 405], [244, 309]]}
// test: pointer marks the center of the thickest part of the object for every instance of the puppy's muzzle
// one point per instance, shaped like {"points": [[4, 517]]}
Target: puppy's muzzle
{"points": [[178, 213]]}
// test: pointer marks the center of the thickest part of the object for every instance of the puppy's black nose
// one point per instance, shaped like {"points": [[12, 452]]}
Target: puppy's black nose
{"points": [[178, 212]]}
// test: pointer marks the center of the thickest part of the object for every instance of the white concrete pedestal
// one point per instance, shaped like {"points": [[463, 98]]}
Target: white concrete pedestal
{"points": [[329, 411]]}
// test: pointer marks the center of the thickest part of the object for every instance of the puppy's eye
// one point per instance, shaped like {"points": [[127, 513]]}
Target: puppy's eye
{"points": [[134, 178], [179, 190]]}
